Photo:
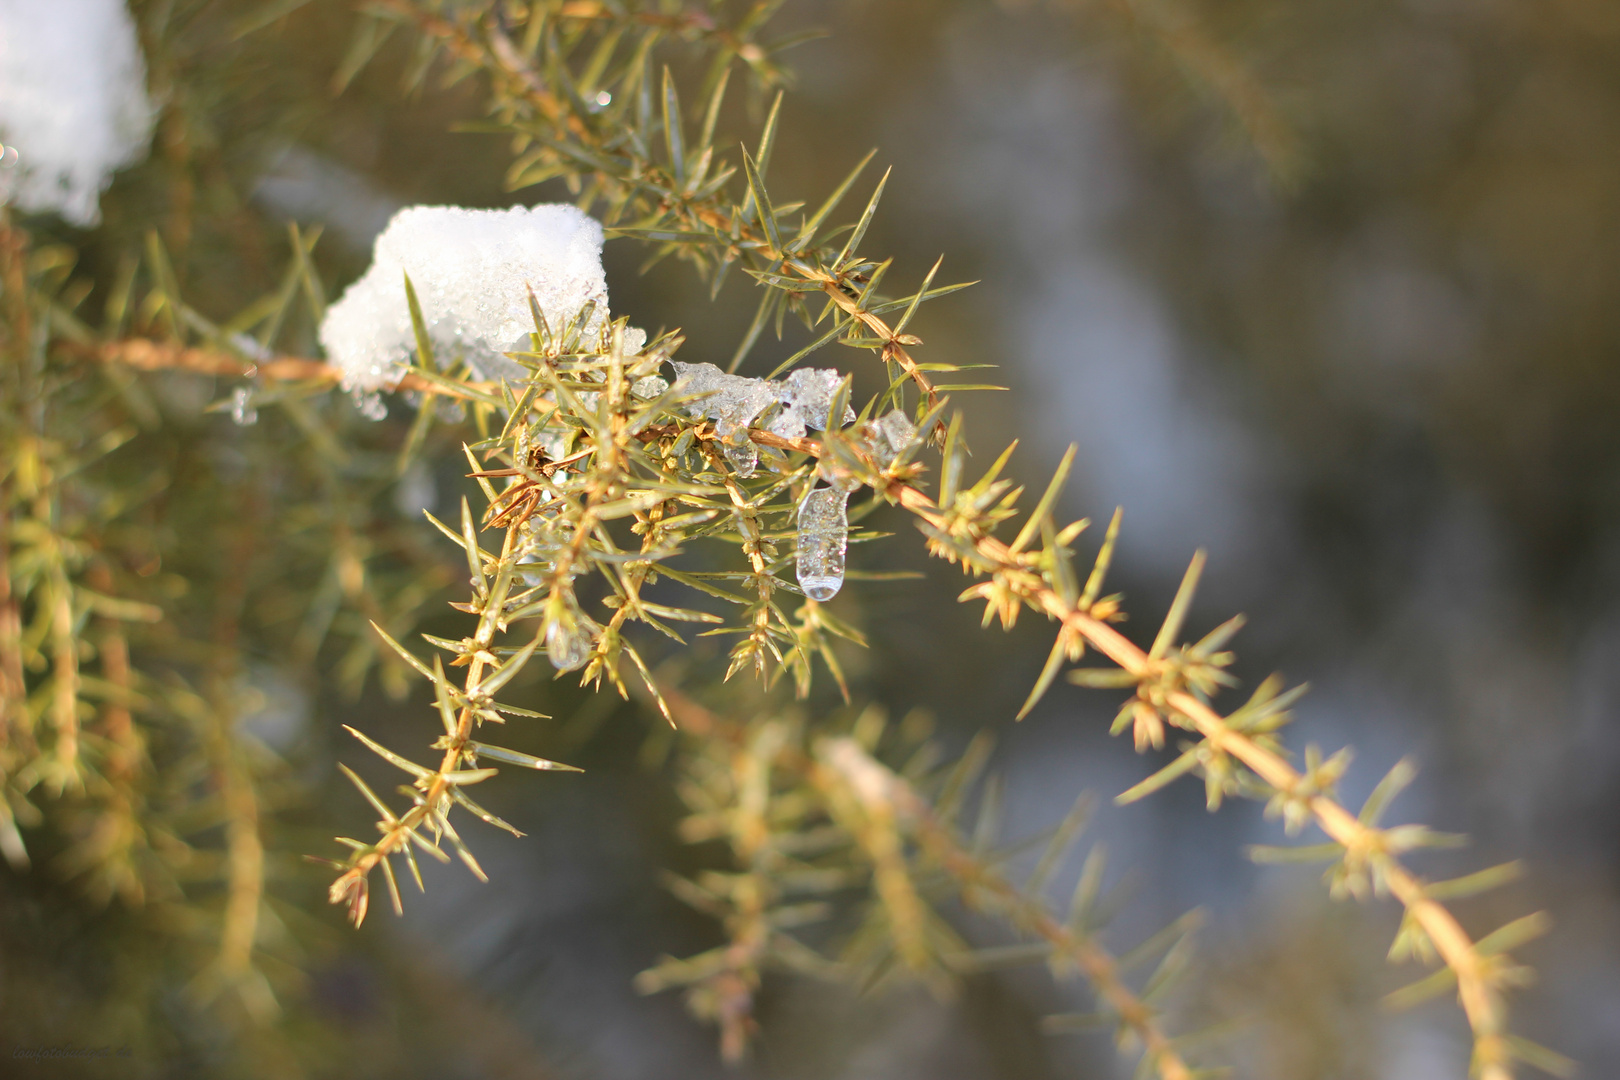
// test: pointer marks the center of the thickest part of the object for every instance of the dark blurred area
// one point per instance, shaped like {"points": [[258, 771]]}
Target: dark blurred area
{"points": [[1371, 363]]}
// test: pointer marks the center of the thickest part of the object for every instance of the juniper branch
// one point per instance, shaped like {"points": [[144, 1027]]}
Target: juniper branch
{"points": [[674, 208], [675, 212], [1480, 977], [889, 793], [842, 766]]}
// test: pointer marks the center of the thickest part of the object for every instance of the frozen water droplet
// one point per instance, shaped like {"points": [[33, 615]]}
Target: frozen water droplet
{"points": [[898, 432], [649, 387], [823, 538], [736, 445], [370, 406], [569, 646], [242, 410], [744, 459]]}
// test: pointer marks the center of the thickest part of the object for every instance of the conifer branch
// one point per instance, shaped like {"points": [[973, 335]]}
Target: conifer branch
{"points": [[1203, 57], [978, 878], [635, 465], [899, 810], [1022, 578], [1100, 968], [1481, 976], [674, 211]]}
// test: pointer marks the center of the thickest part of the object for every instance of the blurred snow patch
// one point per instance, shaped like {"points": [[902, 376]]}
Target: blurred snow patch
{"points": [[471, 270], [274, 708], [416, 493], [310, 187], [1421, 1048], [1153, 437], [72, 102], [1041, 160]]}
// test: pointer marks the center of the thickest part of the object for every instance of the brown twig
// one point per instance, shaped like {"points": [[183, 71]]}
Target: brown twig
{"points": [[144, 354]]}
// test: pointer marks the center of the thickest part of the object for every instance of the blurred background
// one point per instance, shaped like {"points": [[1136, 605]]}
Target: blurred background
{"points": [[1330, 289]]}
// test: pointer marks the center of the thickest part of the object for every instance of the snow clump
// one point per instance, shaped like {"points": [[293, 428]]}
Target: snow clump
{"points": [[73, 103], [471, 270]]}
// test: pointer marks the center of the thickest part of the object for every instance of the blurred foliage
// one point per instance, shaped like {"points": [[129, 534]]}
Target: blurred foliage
{"points": [[160, 564]]}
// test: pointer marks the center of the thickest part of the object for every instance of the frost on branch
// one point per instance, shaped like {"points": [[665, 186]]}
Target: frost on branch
{"points": [[73, 103], [472, 271], [803, 398]]}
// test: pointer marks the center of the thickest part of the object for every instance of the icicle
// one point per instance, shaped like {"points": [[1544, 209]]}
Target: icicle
{"points": [[242, 409], [370, 406], [823, 537]]}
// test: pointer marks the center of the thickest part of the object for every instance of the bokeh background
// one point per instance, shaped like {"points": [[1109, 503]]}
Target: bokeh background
{"points": [[1330, 289]]}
